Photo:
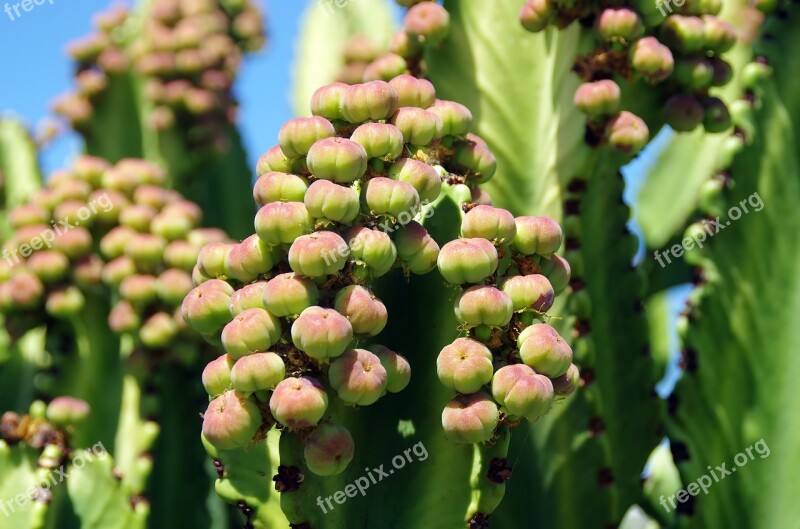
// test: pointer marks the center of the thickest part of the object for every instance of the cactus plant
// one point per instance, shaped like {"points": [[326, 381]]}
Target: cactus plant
{"points": [[428, 308]]}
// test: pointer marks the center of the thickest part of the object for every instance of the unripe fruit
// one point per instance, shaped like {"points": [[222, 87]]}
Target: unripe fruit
{"points": [[416, 248], [358, 377], [123, 318], [173, 285], [402, 45], [146, 250], [456, 118], [420, 175], [213, 259], [321, 333], [66, 411], [318, 254], [111, 205], [273, 186], [718, 35], [385, 68], [627, 132], [217, 376], [171, 225], [251, 258], [543, 349], [249, 297], [29, 215], [298, 135], [373, 248], [359, 48], [373, 100], [206, 307], [537, 235], [75, 243], [186, 209], [283, 222], [567, 383], [181, 254], [683, 33], [137, 217], [256, 372], [231, 421], [532, 291], [298, 402], [598, 98], [418, 126], [367, 313], [70, 211], [483, 305], [722, 72], [557, 271], [651, 59], [413, 92], [521, 392], [337, 159], [325, 200], [476, 160], [683, 112], [139, 289], [65, 302], [398, 370], [467, 261], [88, 271], [470, 418], [329, 449], [158, 331], [428, 23], [289, 294], [619, 24], [716, 117], [250, 331], [536, 15], [694, 73], [49, 265], [380, 140], [274, 160], [465, 365], [326, 101], [385, 196], [487, 222]]}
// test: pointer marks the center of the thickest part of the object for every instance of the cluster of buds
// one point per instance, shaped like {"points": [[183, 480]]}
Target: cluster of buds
{"points": [[425, 25], [340, 199], [99, 226], [509, 276], [685, 61], [188, 50]]}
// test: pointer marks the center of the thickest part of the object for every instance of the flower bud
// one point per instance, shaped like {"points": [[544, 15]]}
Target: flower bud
{"points": [[416, 248], [158, 331], [537, 235], [380, 140], [398, 370], [337, 159], [567, 383], [521, 392], [283, 222], [683, 33], [467, 261], [329, 449], [318, 254], [206, 307], [257, 372], [386, 67], [250, 331], [173, 285], [536, 15], [298, 402], [529, 292], [373, 100], [418, 126], [651, 59], [465, 365], [619, 24], [385, 196], [598, 99], [373, 248], [428, 23], [420, 175], [217, 376], [251, 258], [367, 313], [273, 186], [298, 135], [328, 201], [321, 333], [470, 418], [475, 160], [358, 377], [483, 305], [627, 132], [231, 421], [326, 101], [544, 350]]}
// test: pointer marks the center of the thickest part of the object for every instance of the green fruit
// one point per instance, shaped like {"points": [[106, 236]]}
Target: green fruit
{"points": [[273, 186], [325, 200], [567, 383], [599, 98], [627, 132], [217, 376], [158, 331], [467, 261], [413, 92], [475, 161], [651, 59], [358, 377], [250, 297], [367, 313], [456, 118], [298, 402], [289, 294], [619, 24], [373, 100], [250, 331], [206, 308], [421, 176], [380, 140], [337, 159], [428, 23], [532, 291], [329, 449], [418, 126], [318, 254], [470, 418], [298, 135], [416, 249], [465, 365], [487, 222], [521, 392], [283, 222], [321, 333], [67, 411], [257, 372], [385, 68], [537, 235], [543, 349], [326, 101], [683, 112], [483, 305], [231, 421], [251, 258], [398, 370]]}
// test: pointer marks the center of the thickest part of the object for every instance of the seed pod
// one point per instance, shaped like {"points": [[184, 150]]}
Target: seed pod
{"points": [[380, 140], [217, 376], [298, 402], [337, 159], [470, 418], [257, 372], [231, 421], [273, 186], [321, 333], [543, 349], [373, 248], [398, 370], [421, 176], [328, 201], [319, 254], [467, 261], [367, 313], [298, 135], [521, 392], [483, 305], [465, 365], [529, 292], [416, 248], [250, 331], [329, 449], [358, 377]]}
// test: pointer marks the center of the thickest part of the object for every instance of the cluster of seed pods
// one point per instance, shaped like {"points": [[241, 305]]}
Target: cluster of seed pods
{"points": [[509, 276], [340, 198], [98, 225], [189, 52], [679, 49]]}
